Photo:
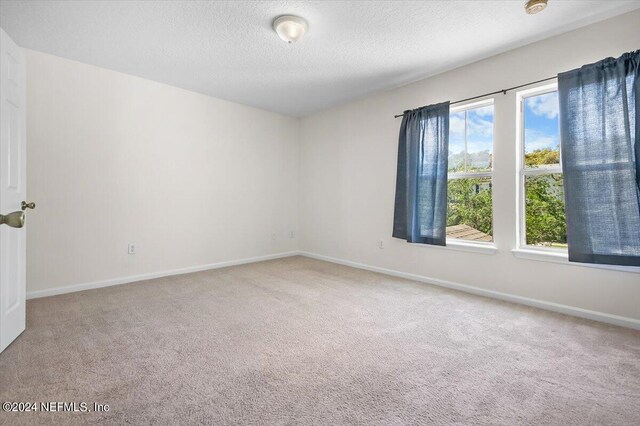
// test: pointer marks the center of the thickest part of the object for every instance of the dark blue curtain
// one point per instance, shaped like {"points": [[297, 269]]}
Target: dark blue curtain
{"points": [[421, 183], [599, 130]]}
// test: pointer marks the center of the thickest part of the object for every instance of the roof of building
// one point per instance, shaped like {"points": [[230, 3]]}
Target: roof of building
{"points": [[466, 232]]}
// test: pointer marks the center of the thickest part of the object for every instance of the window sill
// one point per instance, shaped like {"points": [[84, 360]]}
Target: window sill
{"points": [[468, 246], [484, 248], [563, 258]]}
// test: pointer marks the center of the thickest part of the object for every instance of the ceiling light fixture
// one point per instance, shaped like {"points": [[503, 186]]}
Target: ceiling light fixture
{"points": [[534, 6], [290, 28]]}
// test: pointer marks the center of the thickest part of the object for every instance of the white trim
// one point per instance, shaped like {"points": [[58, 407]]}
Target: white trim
{"points": [[489, 100], [468, 246], [460, 244], [133, 278], [541, 171], [470, 175], [561, 256], [541, 89], [549, 306], [521, 171]]}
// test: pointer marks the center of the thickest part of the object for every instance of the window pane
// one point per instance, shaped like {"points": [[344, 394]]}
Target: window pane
{"points": [[456, 142], [544, 209], [476, 127], [469, 212], [480, 139], [541, 140]]}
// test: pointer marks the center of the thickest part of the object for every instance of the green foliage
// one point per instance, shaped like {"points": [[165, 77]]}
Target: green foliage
{"points": [[545, 218], [469, 202], [476, 161], [542, 156]]}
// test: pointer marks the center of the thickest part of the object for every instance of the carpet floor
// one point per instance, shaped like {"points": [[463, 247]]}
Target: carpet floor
{"points": [[299, 341]]}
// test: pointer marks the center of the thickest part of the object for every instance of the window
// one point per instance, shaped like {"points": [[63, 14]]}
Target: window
{"points": [[469, 195], [542, 217]]}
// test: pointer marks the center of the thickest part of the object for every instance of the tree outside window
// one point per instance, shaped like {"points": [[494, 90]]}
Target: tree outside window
{"points": [[469, 194], [541, 172]]}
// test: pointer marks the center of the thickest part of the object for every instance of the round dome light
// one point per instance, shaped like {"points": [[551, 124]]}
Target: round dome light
{"points": [[290, 28], [534, 6]]}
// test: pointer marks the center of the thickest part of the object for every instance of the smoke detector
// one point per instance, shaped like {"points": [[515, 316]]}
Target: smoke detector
{"points": [[535, 6]]}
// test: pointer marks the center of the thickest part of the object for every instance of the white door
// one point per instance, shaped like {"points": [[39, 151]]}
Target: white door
{"points": [[13, 186]]}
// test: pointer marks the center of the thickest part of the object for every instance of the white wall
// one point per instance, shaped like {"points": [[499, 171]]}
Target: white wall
{"points": [[348, 159], [115, 159], [193, 180]]}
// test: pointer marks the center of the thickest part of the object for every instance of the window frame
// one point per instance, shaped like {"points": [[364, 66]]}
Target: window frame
{"points": [[531, 252], [484, 246], [522, 172]]}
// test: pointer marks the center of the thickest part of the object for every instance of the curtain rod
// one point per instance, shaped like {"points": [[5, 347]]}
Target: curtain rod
{"points": [[503, 91]]}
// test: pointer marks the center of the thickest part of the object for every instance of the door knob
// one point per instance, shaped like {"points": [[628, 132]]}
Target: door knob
{"points": [[26, 205], [14, 220]]}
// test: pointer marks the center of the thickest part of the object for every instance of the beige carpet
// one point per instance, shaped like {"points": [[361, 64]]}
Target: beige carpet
{"points": [[299, 341]]}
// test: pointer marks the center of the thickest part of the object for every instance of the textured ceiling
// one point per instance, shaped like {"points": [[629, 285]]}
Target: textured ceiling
{"points": [[228, 49]]}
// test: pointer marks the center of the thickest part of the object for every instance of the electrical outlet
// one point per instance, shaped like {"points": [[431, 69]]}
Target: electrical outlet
{"points": [[380, 244], [273, 236], [292, 234], [132, 248]]}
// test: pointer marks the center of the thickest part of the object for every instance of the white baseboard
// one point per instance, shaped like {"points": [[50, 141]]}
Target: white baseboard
{"points": [[142, 277], [549, 306]]}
